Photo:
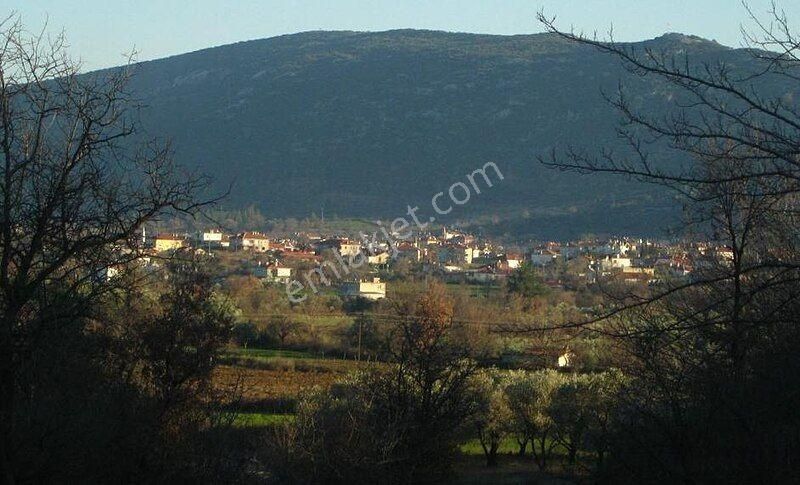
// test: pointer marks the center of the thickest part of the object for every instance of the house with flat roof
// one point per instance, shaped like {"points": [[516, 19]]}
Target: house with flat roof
{"points": [[371, 289], [251, 241]]}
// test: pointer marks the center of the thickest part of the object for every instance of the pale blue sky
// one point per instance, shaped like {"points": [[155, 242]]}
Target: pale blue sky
{"points": [[99, 31]]}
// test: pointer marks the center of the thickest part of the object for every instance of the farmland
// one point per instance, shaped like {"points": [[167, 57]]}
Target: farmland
{"points": [[269, 382]]}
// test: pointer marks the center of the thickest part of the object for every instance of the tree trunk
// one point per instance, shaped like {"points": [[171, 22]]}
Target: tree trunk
{"points": [[523, 447], [601, 455], [571, 455], [6, 416], [540, 456], [491, 455]]}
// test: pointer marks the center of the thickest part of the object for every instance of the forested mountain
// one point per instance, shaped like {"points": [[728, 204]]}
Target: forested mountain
{"points": [[364, 124]]}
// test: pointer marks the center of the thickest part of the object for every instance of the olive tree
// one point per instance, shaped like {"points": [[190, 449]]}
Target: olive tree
{"points": [[606, 388], [492, 419], [570, 410], [530, 396]]}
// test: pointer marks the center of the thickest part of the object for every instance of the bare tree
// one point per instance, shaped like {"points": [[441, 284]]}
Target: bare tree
{"points": [[77, 183], [701, 346]]}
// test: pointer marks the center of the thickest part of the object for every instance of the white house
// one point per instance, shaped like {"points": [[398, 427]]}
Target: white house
{"points": [[379, 258], [278, 273], [211, 238], [343, 246], [615, 262], [251, 241], [484, 274], [373, 289], [514, 260], [455, 253], [409, 251], [348, 248]]}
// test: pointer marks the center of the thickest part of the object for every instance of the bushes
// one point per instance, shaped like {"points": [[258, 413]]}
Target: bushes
{"points": [[279, 331], [123, 396], [374, 427], [245, 334], [367, 338], [397, 425]]}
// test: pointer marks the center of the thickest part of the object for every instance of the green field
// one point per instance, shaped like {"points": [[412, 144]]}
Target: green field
{"points": [[507, 447], [267, 353], [474, 290], [325, 320], [473, 447], [260, 420], [287, 360]]}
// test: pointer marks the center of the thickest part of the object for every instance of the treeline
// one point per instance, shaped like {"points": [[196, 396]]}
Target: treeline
{"points": [[252, 218]]}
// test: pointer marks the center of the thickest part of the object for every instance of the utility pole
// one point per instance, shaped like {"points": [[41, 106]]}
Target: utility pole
{"points": [[360, 326]]}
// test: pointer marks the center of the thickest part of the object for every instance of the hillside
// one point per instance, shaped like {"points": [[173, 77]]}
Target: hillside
{"points": [[364, 124]]}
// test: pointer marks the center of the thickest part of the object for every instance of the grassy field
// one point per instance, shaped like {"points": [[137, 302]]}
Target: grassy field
{"points": [[336, 321], [260, 420], [474, 290], [286, 360], [267, 353], [321, 321], [473, 447]]}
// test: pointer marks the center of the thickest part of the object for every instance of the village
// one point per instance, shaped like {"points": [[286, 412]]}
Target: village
{"points": [[400, 242], [449, 255]]}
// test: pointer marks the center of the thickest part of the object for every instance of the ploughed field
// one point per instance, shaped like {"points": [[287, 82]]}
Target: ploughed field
{"points": [[270, 381]]}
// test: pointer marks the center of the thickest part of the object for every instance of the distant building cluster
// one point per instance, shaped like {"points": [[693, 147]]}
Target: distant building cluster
{"points": [[452, 255]]}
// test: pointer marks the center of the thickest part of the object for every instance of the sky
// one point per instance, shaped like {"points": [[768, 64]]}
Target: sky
{"points": [[100, 32]]}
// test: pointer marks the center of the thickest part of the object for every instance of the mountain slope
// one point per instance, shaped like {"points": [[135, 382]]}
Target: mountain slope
{"points": [[364, 124]]}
